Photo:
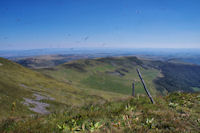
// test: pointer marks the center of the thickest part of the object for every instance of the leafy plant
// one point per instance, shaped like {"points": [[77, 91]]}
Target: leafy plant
{"points": [[150, 123], [95, 126], [63, 127], [173, 105]]}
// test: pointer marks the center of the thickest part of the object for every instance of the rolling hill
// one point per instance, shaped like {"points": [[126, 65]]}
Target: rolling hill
{"points": [[116, 74], [47, 61], [107, 74], [24, 92]]}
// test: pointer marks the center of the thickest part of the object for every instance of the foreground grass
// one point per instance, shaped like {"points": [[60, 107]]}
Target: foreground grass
{"points": [[177, 112]]}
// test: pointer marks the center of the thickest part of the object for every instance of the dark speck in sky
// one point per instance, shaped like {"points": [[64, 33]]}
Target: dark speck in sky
{"points": [[138, 11], [86, 38], [18, 19]]}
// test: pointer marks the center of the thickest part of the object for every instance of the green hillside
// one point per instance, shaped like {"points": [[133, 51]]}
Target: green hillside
{"points": [[24, 91], [93, 95], [116, 74], [107, 74], [174, 113]]}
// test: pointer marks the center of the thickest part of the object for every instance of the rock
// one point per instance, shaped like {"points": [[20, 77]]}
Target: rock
{"points": [[38, 105]]}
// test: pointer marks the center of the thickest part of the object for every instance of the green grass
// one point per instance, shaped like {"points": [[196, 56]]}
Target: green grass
{"points": [[177, 112], [99, 74]]}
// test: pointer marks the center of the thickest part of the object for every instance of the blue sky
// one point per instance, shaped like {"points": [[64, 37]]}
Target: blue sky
{"points": [[33, 24]]}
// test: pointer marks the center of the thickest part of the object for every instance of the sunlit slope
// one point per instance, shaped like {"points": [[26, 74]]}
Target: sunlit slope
{"points": [[107, 74], [24, 91]]}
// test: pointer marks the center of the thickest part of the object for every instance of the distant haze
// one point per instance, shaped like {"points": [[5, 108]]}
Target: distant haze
{"points": [[38, 24], [102, 52]]}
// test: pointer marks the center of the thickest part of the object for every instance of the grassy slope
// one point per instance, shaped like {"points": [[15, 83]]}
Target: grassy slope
{"points": [[104, 74], [177, 112], [17, 83]]}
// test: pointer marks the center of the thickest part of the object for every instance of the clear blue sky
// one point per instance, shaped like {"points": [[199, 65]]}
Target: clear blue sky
{"points": [[31, 24]]}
